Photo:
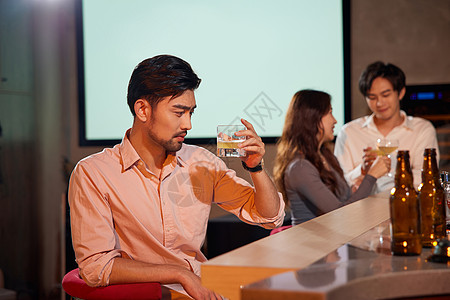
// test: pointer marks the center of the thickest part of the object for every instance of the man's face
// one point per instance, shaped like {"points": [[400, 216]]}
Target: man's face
{"points": [[170, 120], [382, 100]]}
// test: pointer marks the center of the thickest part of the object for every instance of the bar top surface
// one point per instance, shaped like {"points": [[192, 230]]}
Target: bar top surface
{"points": [[294, 248]]}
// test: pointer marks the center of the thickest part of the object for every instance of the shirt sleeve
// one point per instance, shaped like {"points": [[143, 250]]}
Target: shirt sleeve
{"points": [[426, 138], [237, 196], [345, 158], [305, 180], [93, 234]]}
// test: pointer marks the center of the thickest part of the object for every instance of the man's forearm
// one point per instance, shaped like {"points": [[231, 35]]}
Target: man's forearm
{"points": [[126, 271], [267, 200], [129, 271]]}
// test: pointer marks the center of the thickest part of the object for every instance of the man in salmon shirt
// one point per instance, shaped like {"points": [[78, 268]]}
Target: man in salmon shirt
{"points": [[139, 210]]}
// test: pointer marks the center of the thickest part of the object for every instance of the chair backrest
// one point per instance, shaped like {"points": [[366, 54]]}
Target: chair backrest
{"points": [[75, 286]]}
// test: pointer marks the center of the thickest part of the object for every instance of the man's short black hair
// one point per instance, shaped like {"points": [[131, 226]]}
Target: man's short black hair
{"points": [[379, 69], [158, 77]]}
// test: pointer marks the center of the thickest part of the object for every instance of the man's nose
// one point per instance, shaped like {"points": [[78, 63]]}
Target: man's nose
{"points": [[186, 123], [379, 101]]}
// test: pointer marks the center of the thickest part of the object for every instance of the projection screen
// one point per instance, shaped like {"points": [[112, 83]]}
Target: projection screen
{"points": [[252, 56]]}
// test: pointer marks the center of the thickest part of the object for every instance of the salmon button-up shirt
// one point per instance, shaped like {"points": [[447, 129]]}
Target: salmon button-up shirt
{"points": [[118, 208]]}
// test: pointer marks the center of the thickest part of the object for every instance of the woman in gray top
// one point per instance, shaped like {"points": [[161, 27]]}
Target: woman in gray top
{"points": [[306, 171]]}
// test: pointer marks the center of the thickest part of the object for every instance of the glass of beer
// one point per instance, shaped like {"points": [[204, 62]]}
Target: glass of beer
{"points": [[385, 147], [227, 141]]}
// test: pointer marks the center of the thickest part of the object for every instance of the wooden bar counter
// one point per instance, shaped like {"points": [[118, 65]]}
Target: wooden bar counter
{"points": [[295, 248]]}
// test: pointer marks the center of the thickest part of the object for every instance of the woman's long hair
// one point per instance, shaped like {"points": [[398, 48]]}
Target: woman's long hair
{"points": [[301, 128]]}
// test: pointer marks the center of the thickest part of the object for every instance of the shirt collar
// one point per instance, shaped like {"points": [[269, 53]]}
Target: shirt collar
{"points": [[369, 121], [180, 160], [128, 154], [407, 122], [130, 157]]}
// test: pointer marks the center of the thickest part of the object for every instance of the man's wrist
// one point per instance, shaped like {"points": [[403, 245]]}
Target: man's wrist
{"points": [[257, 168]]}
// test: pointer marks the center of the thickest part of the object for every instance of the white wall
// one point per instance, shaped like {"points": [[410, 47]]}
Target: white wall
{"points": [[412, 34]]}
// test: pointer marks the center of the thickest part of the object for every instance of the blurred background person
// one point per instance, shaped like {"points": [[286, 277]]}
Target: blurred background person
{"points": [[383, 87], [306, 171]]}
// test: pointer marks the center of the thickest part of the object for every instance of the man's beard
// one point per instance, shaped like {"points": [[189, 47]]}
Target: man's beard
{"points": [[172, 146], [169, 145]]}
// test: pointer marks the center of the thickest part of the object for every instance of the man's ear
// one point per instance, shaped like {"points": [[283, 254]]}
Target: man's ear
{"points": [[401, 94], [142, 110]]}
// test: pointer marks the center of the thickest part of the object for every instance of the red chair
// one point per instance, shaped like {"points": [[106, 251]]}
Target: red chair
{"points": [[276, 230], [75, 286]]}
